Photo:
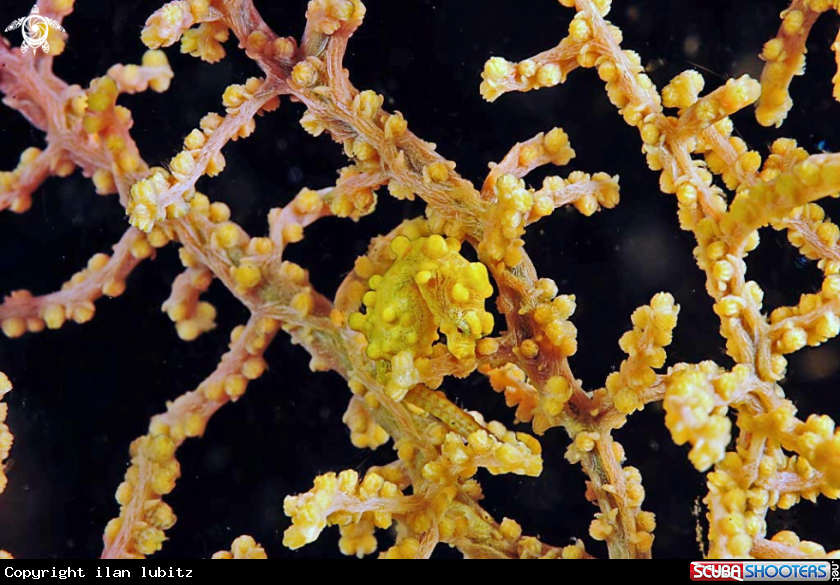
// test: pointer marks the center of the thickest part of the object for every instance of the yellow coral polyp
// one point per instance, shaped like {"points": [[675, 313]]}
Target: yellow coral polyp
{"points": [[430, 288]]}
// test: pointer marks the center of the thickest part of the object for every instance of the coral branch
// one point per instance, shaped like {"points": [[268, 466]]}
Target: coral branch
{"points": [[524, 157], [6, 437], [105, 275], [191, 317], [164, 195], [343, 500], [814, 178], [286, 224], [139, 530], [785, 57], [588, 193], [546, 69], [17, 186]]}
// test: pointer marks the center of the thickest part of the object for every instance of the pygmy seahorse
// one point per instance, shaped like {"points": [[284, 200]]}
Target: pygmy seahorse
{"points": [[430, 287]]}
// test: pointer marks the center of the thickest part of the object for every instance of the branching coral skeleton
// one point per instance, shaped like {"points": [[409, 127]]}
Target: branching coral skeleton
{"points": [[382, 332]]}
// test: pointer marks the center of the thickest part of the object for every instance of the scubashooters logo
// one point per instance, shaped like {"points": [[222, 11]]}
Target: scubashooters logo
{"points": [[765, 571], [36, 29]]}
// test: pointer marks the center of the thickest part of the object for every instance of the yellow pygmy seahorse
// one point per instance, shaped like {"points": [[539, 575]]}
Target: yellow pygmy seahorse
{"points": [[430, 287]]}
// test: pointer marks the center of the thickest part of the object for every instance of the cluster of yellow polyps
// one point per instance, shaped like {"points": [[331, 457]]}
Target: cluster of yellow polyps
{"points": [[327, 16], [5, 434], [695, 409], [152, 454], [653, 328], [342, 500], [103, 118], [244, 547], [168, 24], [497, 449]]}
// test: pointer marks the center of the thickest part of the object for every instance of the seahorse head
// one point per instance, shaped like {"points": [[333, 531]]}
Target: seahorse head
{"points": [[455, 290]]}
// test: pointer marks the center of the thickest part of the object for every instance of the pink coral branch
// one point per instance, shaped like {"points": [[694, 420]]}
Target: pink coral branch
{"points": [[809, 235], [57, 109], [75, 300], [526, 156], [194, 235], [286, 223], [228, 130], [183, 307], [403, 158], [573, 192], [542, 70], [190, 412], [186, 290], [26, 90], [16, 189]]}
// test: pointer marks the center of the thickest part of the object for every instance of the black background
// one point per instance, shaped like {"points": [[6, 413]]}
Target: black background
{"points": [[83, 393]]}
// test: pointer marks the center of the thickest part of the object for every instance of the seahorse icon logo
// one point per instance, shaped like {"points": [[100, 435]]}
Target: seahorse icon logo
{"points": [[35, 29]]}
